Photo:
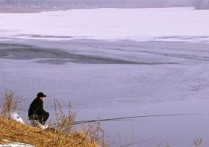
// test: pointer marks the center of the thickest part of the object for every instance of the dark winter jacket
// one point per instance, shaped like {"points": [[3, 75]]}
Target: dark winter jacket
{"points": [[36, 107]]}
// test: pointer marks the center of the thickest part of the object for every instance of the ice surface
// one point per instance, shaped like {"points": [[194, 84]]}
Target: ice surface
{"points": [[184, 24]]}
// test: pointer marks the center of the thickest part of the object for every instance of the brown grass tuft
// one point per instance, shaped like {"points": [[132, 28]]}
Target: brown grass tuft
{"points": [[9, 103]]}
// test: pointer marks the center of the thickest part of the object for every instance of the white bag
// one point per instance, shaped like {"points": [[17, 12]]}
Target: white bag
{"points": [[14, 116]]}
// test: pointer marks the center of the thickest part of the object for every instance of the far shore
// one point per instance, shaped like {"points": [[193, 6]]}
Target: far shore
{"points": [[21, 10], [38, 10]]}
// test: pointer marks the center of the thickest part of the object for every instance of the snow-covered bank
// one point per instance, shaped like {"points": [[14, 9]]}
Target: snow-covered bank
{"points": [[183, 24]]}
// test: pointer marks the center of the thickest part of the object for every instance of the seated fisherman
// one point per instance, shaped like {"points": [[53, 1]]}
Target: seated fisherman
{"points": [[36, 110]]}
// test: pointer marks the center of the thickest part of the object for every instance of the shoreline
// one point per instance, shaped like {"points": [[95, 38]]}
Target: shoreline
{"points": [[20, 10], [39, 10]]}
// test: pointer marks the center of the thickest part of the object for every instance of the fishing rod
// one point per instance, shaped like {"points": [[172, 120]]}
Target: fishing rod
{"points": [[131, 117]]}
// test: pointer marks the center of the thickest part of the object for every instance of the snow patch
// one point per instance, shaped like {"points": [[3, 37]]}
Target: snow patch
{"points": [[14, 144], [108, 24]]}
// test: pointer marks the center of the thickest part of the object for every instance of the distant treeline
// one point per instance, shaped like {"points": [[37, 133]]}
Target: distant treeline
{"points": [[59, 4], [66, 4], [201, 4]]}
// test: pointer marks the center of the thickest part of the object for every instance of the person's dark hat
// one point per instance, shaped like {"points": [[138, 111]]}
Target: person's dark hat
{"points": [[41, 94]]}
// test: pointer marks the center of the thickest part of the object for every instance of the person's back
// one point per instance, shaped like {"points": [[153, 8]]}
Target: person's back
{"points": [[35, 107], [36, 111]]}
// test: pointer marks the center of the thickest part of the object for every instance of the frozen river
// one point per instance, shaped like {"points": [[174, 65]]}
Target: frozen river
{"points": [[117, 79], [114, 63]]}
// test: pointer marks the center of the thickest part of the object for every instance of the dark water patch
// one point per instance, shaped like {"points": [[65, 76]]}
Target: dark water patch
{"points": [[178, 50], [183, 37], [53, 56], [89, 51]]}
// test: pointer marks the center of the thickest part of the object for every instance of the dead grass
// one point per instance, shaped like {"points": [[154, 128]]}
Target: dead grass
{"points": [[92, 132], [14, 131], [9, 104], [64, 122], [197, 142]]}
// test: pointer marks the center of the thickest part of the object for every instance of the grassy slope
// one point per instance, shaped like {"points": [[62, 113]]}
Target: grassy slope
{"points": [[13, 131]]}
